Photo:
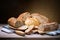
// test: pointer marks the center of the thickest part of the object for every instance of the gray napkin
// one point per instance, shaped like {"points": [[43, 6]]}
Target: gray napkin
{"points": [[6, 29], [54, 33]]}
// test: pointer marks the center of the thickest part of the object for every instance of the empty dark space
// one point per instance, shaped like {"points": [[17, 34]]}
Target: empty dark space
{"points": [[12, 8]]}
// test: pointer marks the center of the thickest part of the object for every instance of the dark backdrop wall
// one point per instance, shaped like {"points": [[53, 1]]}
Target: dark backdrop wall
{"points": [[12, 8]]}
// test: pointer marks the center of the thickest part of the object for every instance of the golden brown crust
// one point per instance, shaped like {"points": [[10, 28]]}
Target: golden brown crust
{"points": [[19, 32], [41, 18], [12, 21], [48, 27], [31, 23], [29, 29], [22, 17]]}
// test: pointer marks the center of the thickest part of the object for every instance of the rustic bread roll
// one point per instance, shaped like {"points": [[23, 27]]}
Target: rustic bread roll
{"points": [[12, 21], [41, 18], [48, 27]]}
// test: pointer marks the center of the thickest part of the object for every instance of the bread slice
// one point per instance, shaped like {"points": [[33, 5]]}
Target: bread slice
{"points": [[19, 32], [24, 27], [29, 30]]}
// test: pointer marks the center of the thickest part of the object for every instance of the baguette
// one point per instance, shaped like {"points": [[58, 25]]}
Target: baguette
{"points": [[19, 32]]}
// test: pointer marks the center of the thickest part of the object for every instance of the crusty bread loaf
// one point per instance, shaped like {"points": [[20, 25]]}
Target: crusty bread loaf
{"points": [[12, 21], [48, 27], [21, 18], [41, 18], [31, 23]]}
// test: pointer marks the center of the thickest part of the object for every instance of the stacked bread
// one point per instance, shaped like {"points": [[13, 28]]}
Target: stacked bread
{"points": [[27, 23]]}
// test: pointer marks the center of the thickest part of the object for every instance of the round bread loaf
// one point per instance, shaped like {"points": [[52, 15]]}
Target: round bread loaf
{"points": [[12, 21]]}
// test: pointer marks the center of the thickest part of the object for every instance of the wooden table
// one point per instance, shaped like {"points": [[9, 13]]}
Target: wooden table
{"points": [[13, 35]]}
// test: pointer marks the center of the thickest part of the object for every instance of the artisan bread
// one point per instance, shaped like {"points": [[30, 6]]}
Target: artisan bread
{"points": [[41, 18], [12, 21], [22, 17], [27, 23], [48, 27]]}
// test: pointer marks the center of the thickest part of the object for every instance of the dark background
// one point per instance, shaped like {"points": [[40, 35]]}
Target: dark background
{"points": [[12, 8]]}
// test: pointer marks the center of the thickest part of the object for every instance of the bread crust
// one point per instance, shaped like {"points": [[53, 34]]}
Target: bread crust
{"points": [[22, 17], [12, 21], [41, 18]]}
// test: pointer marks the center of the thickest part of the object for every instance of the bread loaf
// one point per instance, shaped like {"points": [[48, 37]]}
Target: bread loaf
{"points": [[48, 27], [22, 17], [12, 21], [41, 18], [31, 23]]}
